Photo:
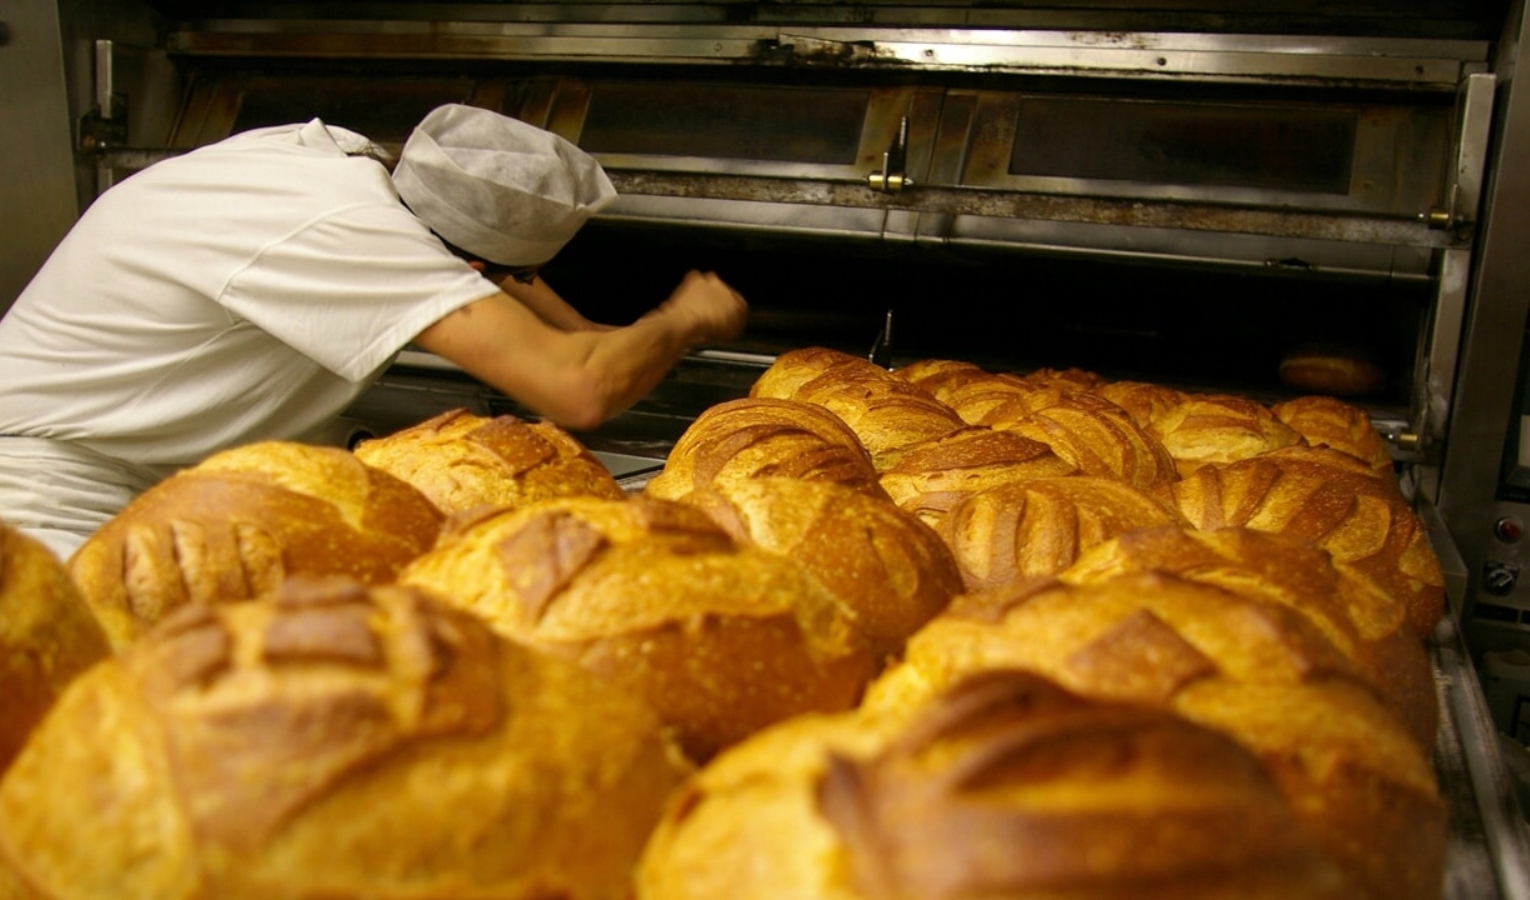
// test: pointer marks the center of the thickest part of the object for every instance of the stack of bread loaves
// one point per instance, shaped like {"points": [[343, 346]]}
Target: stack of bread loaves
{"points": [[936, 633], [1246, 572]]}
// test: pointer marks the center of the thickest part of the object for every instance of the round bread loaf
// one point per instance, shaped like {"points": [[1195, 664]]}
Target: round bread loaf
{"points": [[1202, 428], [1330, 422], [1363, 521], [233, 526], [1369, 629], [1332, 369], [972, 392], [886, 413], [930, 478], [889, 569], [754, 436], [1090, 433], [1004, 785], [1259, 673], [334, 741], [654, 596], [460, 461], [1037, 527], [48, 636]]}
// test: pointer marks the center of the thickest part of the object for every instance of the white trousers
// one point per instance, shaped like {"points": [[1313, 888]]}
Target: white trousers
{"points": [[59, 492]]}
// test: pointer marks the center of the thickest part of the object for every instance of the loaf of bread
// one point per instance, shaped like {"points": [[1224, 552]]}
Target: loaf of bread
{"points": [[1369, 629], [334, 741], [1201, 428], [1003, 785], [461, 461], [233, 526], [48, 636], [1329, 422], [1332, 369], [1361, 520], [654, 597], [754, 436], [1258, 673], [930, 478], [1090, 433], [886, 413], [1035, 528], [888, 568]]}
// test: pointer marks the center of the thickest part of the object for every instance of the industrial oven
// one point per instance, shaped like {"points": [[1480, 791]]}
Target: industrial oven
{"points": [[1182, 192]]}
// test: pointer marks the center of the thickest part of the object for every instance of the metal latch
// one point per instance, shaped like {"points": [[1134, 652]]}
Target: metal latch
{"points": [[893, 179]]}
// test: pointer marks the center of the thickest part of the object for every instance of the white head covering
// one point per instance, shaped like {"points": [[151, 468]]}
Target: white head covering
{"points": [[497, 187]]}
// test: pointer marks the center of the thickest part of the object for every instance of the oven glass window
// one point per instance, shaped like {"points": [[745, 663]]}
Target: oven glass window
{"points": [[385, 111], [1197, 144], [777, 124]]}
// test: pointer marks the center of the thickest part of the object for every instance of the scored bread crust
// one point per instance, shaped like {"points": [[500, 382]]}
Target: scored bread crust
{"points": [[461, 461], [760, 436], [1361, 520], [335, 741], [655, 597], [1256, 672], [234, 526], [1374, 634], [1002, 785], [890, 570]]}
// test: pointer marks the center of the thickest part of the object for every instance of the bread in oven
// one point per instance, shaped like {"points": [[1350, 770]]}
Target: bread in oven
{"points": [[1002, 785], [930, 478], [233, 526], [1090, 433], [1369, 629], [889, 569], [1332, 369], [1197, 428], [48, 636], [1257, 672], [1362, 521], [656, 598], [1037, 527], [887, 413], [334, 741], [461, 460], [1330, 422], [759, 436]]}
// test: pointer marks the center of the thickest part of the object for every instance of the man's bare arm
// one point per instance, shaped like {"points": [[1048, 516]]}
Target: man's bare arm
{"points": [[580, 378]]}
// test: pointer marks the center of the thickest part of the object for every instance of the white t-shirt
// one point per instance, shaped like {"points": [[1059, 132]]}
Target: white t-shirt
{"points": [[248, 290]]}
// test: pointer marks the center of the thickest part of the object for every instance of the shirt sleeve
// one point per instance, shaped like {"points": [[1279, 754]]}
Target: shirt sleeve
{"points": [[350, 289]]}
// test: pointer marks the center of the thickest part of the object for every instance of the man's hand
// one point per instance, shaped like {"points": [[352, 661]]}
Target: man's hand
{"points": [[706, 308]]}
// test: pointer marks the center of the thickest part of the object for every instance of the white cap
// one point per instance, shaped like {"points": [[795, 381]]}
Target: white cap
{"points": [[497, 187]]}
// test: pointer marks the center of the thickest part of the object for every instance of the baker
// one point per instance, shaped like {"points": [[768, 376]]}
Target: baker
{"points": [[253, 288]]}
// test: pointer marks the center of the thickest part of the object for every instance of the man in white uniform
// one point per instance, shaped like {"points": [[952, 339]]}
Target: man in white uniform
{"points": [[253, 288]]}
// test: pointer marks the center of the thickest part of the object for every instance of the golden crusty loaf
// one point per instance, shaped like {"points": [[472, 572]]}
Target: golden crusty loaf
{"points": [[1257, 672], [754, 436], [1368, 627], [1091, 433], [233, 526], [1332, 369], [930, 478], [1198, 428], [1363, 521], [1002, 786], [972, 392], [1038, 527], [890, 570], [461, 461], [887, 413], [1329, 422], [48, 636], [654, 596], [334, 741]]}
